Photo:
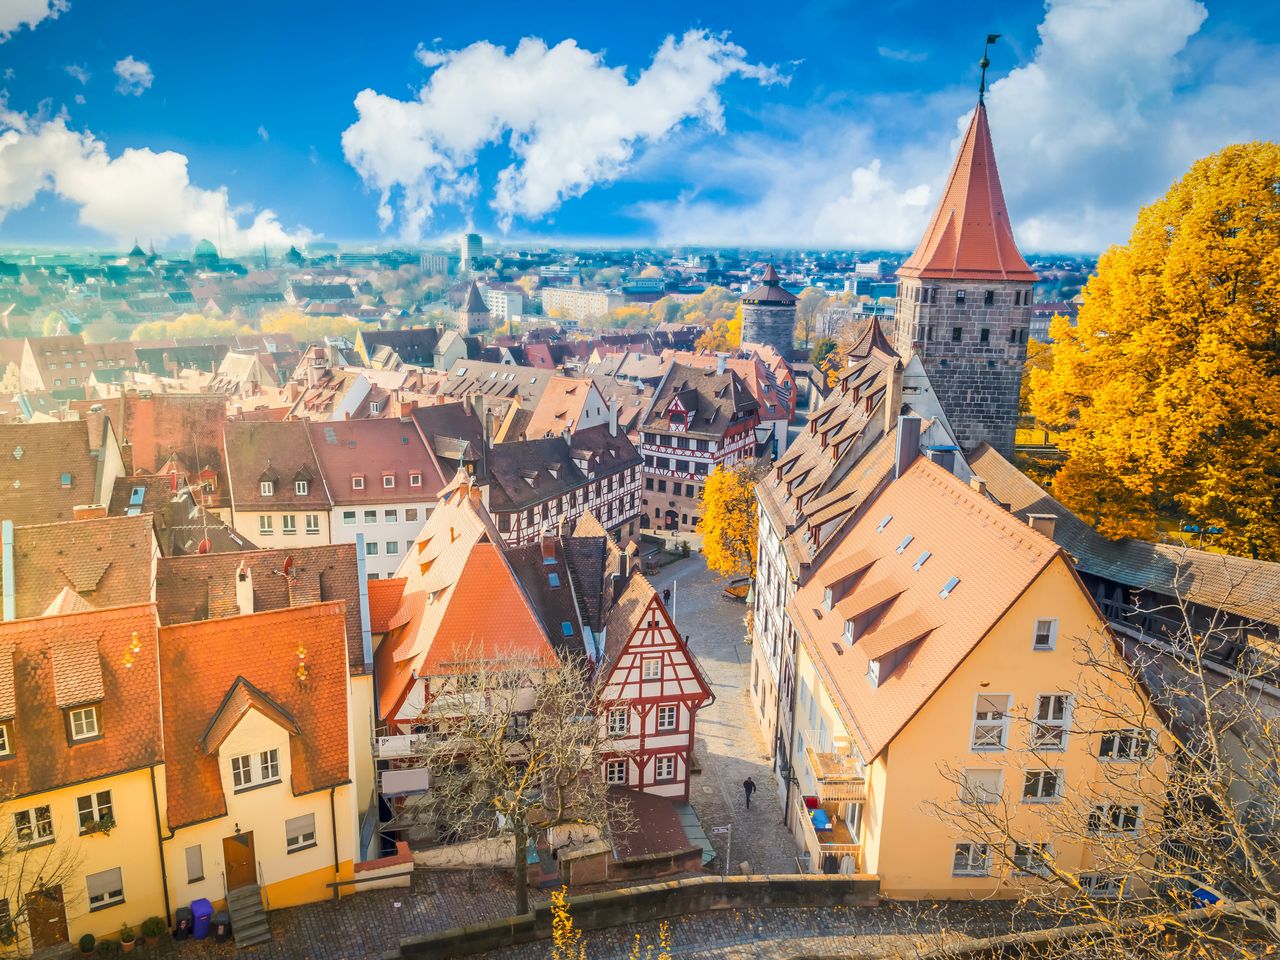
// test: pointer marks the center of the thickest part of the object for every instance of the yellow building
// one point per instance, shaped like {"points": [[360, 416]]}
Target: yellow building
{"points": [[950, 664]]}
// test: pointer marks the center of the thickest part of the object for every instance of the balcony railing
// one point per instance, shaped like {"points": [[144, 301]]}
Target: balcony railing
{"points": [[839, 771], [826, 852]]}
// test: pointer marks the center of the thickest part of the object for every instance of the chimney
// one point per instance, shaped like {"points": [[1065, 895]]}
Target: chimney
{"points": [[1044, 523], [893, 396], [88, 511], [978, 484], [908, 444], [548, 547], [244, 589], [721, 359], [613, 416]]}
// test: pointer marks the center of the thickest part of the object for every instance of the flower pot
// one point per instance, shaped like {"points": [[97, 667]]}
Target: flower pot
{"points": [[127, 945], [152, 941]]}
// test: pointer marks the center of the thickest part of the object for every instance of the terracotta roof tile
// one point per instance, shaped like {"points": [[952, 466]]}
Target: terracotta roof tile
{"points": [[34, 457], [77, 670], [384, 601], [240, 699], [8, 695], [206, 660], [374, 449]]}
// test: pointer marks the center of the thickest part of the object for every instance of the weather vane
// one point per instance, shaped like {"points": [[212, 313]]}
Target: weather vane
{"points": [[984, 63]]}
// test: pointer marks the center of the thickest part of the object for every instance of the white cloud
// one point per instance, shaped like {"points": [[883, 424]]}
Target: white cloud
{"points": [[262, 132], [137, 193], [569, 121], [78, 72], [1098, 123], [16, 14], [903, 56], [135, 76]]}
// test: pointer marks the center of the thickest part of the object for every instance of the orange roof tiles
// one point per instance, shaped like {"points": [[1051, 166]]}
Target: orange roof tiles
{"points": [[970, 237], [240, 699], [562, 406], [995, 557], [384, 601], [205, 661], [126, 682]]}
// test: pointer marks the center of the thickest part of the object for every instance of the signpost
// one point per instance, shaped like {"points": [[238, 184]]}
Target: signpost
{"points": [[725, 831]]}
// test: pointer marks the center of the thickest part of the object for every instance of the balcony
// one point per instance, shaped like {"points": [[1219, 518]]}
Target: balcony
{"points": [[824, 851], [838, 770]]}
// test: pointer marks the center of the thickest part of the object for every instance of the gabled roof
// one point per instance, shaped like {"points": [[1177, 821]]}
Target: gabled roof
{"points": [[970, 237], [242, 697], [262, 446], [373, 449], [562, 406], [473, 302], [206, 660], [711, 399], [34, 457], [994, 556]]}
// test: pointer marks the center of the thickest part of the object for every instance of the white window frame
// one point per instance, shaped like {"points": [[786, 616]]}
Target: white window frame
{"points": [[1102, 886], [357, 482], [1039, 776], [646, 663], [392, 548], [6, 744], [289, 524], [668, 760], [264, 524], [1128, 745], [1051, 733], [37, 822], [673, 711], [1051, 642], [997, 725], [111, 882], [97, 806], [371, 548], [242, 772], [300, 487], [300, 833], [348, 518], [972, 791], [1031, 859], [1106, 814], [313, 524], [82, 722], [615, 772], [618, 722], [267, 488], [965, 861], [390, 516], [388, 481], [415, 479], [269, 766]]}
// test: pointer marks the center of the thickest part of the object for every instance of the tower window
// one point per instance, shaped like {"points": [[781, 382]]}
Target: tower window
{"points": [[960, 297], [956, 334], [928, 333], [984, 336], [988, 298], [1013, 335]]}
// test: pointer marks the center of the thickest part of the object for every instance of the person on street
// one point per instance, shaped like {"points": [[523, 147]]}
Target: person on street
{"points": [[748, 787], [666, 597]]}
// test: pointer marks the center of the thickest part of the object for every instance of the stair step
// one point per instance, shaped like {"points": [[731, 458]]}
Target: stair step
{"points": [[249, 929]]}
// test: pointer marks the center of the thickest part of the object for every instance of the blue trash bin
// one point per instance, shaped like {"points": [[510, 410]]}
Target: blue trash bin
{"points": [[201, 918]]}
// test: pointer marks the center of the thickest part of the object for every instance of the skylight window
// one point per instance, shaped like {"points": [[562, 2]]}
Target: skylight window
{"points": [[553, 578], [884, 523], [566, 628], [951, 585], [906, 542], [921, 560]]}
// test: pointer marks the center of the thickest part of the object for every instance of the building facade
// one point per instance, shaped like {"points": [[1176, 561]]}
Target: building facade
{"points": [[577, 303]]}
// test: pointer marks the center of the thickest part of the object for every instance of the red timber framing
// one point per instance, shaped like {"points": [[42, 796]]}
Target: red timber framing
{"points": [[659, 684]]}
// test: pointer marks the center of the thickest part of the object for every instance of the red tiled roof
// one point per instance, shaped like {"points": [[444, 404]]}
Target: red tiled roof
{"points": [[159, 427], [204, 661], [33, 459], [384, 601], [279, 452], [970, 237], [125, 682], [374, 449]]}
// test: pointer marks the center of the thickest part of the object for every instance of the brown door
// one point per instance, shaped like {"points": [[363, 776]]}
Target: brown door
{"points": [[237, 856], [47, 918]]}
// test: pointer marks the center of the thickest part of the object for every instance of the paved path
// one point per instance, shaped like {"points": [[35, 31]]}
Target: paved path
{"points": [[730, 747]]}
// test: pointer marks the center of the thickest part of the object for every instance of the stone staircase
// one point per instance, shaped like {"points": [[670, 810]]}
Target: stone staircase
{"points": [[248, 920]]}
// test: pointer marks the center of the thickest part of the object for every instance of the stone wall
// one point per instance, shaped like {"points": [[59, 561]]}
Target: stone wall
{"points": [[773, 324], [647, 903], [977, 380]]}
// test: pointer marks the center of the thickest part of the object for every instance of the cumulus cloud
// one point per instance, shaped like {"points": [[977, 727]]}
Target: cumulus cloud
{"points": [[78, 72], [138, 192], [16, 14], [568, 120], [1099, 122], [135, 76]]}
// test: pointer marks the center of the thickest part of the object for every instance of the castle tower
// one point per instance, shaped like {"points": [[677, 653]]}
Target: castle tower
{"points": [[473, 315], [769, 314], [964, 299]]}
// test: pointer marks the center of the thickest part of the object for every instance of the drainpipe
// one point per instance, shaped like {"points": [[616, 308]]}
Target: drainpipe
{"points": [[10, 606], [333, 823], [164, 874]]}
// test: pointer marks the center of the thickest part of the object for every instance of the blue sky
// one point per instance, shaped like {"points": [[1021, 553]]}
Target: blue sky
{"points": [[810, 124]]}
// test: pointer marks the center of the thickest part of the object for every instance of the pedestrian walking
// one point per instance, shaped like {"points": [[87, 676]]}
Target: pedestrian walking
{"points": [[666, 597], [748, 787]]}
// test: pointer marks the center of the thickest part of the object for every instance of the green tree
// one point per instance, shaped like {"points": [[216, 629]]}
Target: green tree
{"points": [[1166, 393]]}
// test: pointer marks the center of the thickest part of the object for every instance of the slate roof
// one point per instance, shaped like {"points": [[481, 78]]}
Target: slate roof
{"points": [[1239, 585], [970, 237], [526, 472], [473, 302], [534, 565], [33, 652], [33, 459], [205, 661], [416, 346], [108, 562]]}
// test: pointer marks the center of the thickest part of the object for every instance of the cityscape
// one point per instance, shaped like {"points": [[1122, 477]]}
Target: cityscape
{"points": [[564, 507]]}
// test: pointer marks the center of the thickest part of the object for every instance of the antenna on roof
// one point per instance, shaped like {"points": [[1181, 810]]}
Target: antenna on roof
{"points": [[984, 63]]}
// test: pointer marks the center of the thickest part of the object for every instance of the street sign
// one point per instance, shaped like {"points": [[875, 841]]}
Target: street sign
{"points": [[717, 831]]}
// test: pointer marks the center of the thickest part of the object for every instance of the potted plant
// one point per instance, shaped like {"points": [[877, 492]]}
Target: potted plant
{"points": [[88, 943], [108, 949], [152, 928], [127, 939]]}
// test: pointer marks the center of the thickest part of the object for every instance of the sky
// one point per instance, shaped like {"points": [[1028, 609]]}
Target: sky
{"points": [[813, 125]]}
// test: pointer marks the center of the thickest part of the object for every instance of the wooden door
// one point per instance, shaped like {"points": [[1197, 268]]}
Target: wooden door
{"points": [[238, 860], [47, 918]]}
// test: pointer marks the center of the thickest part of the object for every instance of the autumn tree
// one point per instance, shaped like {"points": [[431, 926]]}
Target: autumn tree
{"points": [[195, 325], [1166, 394], [722, 335], [808, 307], [309, 329], [728, 524]]}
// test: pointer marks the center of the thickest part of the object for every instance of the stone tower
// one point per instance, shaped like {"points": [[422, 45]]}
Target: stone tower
{"points": [[769, 314], [473, 316], [964, 300]]}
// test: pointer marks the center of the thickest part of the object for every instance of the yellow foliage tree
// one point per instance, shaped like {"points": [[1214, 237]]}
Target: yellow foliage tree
{"points": [[567, 942], [188, 325], [723, 334], [308, 329], [728, 525], [1167, 391]]}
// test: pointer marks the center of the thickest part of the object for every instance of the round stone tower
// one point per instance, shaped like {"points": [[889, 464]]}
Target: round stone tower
{"points": [[769, 314]]}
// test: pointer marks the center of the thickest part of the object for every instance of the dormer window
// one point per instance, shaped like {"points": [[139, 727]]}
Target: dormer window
{"points": [[415, 479], [357, 482], [300, 487], [388, 481], [6, 739], [267, 488], [82, 724]]}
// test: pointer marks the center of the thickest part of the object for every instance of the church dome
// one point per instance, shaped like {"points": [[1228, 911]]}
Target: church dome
{"points": [[205, 250]]}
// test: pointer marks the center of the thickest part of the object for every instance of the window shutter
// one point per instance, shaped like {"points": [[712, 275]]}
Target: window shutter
{"points": [[105, 883]]}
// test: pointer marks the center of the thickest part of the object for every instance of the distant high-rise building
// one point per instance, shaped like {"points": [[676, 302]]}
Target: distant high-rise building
{"points": [[964, 300], [470, 248], [769, 314], [434, 262]]}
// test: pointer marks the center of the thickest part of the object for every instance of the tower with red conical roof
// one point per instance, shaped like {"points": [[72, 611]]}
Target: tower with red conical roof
{"points": [[769, 314], [964, 299]]}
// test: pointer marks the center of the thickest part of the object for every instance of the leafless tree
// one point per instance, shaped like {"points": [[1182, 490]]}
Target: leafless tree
{"points": [[33, 868], [516, 752], [1182, 815]]}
